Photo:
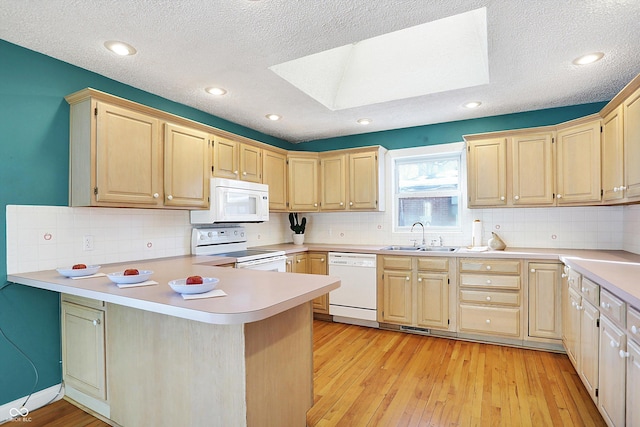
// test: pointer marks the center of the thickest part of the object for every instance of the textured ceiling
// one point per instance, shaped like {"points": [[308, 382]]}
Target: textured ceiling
{"points": [[187, 45]]}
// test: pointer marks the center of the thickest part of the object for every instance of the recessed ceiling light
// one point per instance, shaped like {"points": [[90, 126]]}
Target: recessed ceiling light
{"points": [[589, 58], [273, 117], [474, 104], [217, 91], [364, 121], [120, 48]]}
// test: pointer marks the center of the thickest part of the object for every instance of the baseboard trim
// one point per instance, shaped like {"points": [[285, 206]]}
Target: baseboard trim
{"points": [[8, 411]]}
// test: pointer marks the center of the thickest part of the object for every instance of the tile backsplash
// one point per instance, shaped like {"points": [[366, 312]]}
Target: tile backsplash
{"points": [[46, 237]]}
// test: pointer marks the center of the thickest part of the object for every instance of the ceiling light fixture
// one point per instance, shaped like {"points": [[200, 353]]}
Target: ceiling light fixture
{"points": [[273, 117], [217, 91], [474, 104], [589, 58], [120, 48], [364, 122]]}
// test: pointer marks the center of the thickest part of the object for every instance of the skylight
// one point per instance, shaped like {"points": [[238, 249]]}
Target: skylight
{"points": [[439, 56]]}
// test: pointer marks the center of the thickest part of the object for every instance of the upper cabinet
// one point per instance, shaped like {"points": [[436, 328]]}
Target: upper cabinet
{"points": [[303, 182], [236, 160], [578, 165], [532, 169], [274, 174], [121, 157], [351, 180], [487, 172], [631, 120], [612, 156]]}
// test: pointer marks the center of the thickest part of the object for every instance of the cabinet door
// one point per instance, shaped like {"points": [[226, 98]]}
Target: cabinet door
{"points": [[363, 181], [318, 265], [397, 298], [589, 347], [250, 163], [186, 167], [633, 384], [611, 396], [303, 179], [632, 144], [333, 182], [433, 300], [300, 263], [544, 300], [487, 171], [274, 174], [128, 157], [612, 156], [225, 158], [83, 349], [532, 168], [578, 166], [571, 325], [289, 263]]}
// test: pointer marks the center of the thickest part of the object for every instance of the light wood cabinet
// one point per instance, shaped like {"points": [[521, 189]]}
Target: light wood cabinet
{"points": [[83, 349], [532, 164], [545, 308], [236, 160], [489, 300], [318, 265], [612, 373], [633, 384], [589, 347], [571, 327], [122, 157], [631, 125], [303, 182], [186, 166], [487, 172], [414, 291], [613, 176], [333, 181], [578, 163], [274, 174]]}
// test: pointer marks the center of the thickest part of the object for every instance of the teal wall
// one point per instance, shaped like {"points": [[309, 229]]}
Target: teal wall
{"points": [[34, 129]]}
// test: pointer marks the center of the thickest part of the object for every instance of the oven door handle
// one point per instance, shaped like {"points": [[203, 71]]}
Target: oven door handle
{"points": [[260, 261]]}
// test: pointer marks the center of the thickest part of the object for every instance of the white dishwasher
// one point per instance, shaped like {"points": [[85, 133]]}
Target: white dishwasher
{"points": [[355, 300]]}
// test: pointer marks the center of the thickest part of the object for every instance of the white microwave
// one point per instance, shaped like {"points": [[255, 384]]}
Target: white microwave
{"points": [[234, 201]]}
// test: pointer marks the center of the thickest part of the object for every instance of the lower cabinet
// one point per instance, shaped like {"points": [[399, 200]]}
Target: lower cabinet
{"points": [[311, 263], [589, 347], [633, 384], [612, 375], [83, 352], [414, 291], [545, 309]]}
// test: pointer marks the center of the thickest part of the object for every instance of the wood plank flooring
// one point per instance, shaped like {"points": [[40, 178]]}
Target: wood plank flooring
{"points": [[370, 377]]}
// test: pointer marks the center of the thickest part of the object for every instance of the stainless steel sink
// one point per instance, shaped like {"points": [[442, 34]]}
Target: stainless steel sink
{"points": [[420, 248]]}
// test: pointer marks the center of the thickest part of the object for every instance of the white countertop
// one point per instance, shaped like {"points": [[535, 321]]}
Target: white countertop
{"points": [[251, 295]]}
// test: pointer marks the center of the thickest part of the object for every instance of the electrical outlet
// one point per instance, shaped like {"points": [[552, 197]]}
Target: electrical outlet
{"points": [[87, 243]]}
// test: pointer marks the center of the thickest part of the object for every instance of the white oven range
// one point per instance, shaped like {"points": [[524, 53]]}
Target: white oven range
{"points": [[231, 241]]}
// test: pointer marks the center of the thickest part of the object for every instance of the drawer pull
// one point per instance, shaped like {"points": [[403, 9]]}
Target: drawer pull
{"points": [[585, 290], [488, 281], [634, 329], [605, 305], [563, 275], [407, 278], [488, 267], [488, 321], [533, 270], [573, 304], [578, 307], [488, 298], [96, 322], [614, 344], [419, 279], [623, 354]]}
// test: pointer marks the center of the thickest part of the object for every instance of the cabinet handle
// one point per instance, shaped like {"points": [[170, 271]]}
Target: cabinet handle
{"points": [[297, 260], [605, 305], [623, 354], [170, 197], [559, 196], [341, 203], [634, 329], [622, 187], [578, 307], [289, 262], [350, 203], [615, 189], [488, 298], [419, 279], [244, 174], [235, 172], [614, 344], [156, 195], [407, 278], [533, 270], [96, 322], [516, 197], [488, 321], [315, 205], [321, 259], [488, 281], [488, 267], [585, 290], [563, 275], [502, 198]]}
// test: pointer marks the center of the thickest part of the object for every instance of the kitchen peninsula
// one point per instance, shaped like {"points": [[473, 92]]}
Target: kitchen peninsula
{"points": [[243, 359]]}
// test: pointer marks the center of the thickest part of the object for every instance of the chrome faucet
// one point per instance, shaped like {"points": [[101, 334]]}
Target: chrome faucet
{"points": [[421, 225]]}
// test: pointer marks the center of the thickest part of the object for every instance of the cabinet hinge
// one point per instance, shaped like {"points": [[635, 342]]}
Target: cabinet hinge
{"points": [[448, 281], [596, 392], [448, 321], [211, 168], [95, 191], [600, 129], [553, 196], [95, 111], [597, 323], [553, 140], [601, 192], [383, 275]]}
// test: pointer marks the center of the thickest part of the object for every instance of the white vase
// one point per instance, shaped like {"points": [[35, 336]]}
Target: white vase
{"points": [[298, 239]]}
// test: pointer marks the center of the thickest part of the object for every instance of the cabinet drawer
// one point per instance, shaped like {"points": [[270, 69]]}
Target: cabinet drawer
{"points": [[433, 263], [633, 324], [490, 266], [490, 297], [396, 262], [490, 281], [574, 279], [613, 307], [590, 291], [490, 320], [87, 302]]}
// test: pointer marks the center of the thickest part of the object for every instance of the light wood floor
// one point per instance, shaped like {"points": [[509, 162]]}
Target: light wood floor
{"points": [[370, 377]]}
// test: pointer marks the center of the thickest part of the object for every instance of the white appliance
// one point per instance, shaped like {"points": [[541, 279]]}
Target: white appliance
{"points": [[234, 201], [231, 241], [355, 301]]}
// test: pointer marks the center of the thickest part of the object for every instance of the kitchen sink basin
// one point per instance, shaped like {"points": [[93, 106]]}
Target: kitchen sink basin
{"points": [[420, 248]]}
